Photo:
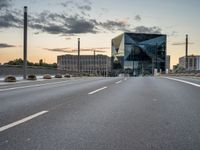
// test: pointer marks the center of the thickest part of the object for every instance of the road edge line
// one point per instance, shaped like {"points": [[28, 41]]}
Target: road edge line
{"points": [[183, 81]]}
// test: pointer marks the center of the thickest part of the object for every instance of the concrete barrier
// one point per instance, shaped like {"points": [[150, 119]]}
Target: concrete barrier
{"points": [[18, 70]]}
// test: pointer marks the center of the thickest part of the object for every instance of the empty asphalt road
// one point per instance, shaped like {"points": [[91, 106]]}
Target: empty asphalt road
{"points": [[143, 113]]}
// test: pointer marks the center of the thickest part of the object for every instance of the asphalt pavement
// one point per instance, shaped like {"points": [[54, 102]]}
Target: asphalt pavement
{"points": [[143, 113]]}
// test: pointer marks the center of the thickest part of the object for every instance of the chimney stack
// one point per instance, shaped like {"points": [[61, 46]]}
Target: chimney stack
{"points": [[25, 43], [186, 52], [78, 55]]}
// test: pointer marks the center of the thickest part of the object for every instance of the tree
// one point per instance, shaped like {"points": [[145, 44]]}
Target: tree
{"points": [[19, 62]]}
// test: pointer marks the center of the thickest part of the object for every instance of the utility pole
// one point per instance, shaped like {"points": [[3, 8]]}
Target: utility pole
{"points": [[186, 52], [78, 56], [25, 43]]}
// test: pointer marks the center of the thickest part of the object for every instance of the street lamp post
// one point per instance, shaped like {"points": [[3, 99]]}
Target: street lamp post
{"points": [[25, 43]]}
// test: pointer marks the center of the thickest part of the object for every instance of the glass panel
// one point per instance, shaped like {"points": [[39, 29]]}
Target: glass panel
{"points": [[139, 54]]}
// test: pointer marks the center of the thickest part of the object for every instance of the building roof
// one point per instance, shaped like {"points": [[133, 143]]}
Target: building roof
{"points": [[190, 56], [142, 35]]}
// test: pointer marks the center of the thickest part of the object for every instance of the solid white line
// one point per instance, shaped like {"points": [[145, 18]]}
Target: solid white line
{"points": [[22, 121], [28, 86], [118, 82], [97, 90], [183, 81]]}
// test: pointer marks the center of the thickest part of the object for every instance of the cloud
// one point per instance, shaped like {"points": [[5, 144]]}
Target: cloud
{"points": [[67, 3], [64, 50], [74, 24], [71, 50], [36, 33], [67, 38], [84, 5], [137, 18], [5, 4], [96, 49], [115, 25], [77, 25], [152, 30], [172, 34], [62, 24], [52, 23], [81, 7], [4, 45], [104, 10], [68, 25], [11, 18], [181, 43]]}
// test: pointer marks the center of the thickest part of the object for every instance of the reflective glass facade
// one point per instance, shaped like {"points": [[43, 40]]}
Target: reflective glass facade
{"points": [[139, 54]]}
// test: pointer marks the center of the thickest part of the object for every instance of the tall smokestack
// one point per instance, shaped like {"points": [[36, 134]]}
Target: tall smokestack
{"points": [[25, 43], [79, 55], [186, 52], [94, 62]]}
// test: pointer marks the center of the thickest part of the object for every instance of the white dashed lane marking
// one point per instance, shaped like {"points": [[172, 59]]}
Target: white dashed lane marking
{"points": [[97, 90], [183, 81], [22, 121]]}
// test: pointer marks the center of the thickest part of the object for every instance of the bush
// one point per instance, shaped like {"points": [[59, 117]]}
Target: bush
{"points": [[10, 78], [32, 77], [47, 76], [67, 75], [85, 74], [58, 75]]}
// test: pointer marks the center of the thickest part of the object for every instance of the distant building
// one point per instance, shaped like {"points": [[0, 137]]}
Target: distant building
{"points": [[193, 62], [139, 54], [100, 64]]}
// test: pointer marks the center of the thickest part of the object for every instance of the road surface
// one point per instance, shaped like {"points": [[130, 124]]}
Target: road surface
{"points": [[143, 113]]}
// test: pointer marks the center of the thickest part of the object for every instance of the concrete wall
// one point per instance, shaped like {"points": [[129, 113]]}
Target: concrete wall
{"points": [[18, 70]]}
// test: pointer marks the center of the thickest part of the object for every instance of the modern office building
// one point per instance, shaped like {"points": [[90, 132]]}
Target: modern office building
{"points": [[139, 54], [99, 64], [193, 62]]}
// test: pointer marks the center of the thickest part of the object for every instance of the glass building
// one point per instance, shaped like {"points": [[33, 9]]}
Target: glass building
{"points": [[139, 54]]}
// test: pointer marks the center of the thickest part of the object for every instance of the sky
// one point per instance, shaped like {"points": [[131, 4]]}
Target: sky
{"points": [[55, 25]]}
